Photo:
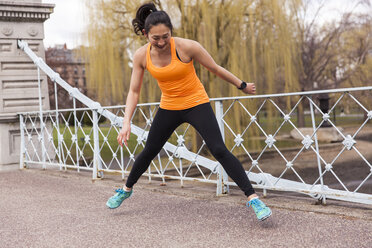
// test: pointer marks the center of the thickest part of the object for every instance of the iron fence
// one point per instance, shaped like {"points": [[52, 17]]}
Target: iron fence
{"points": [[261, 130]]}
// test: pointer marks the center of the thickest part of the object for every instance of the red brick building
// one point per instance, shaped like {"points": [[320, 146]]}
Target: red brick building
{"points": [[71, 68]]}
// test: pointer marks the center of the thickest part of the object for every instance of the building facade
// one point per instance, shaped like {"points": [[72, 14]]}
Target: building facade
{"points": [[19, 88], [71, 67]]}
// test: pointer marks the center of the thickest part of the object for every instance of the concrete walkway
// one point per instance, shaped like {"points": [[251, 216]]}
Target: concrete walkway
{"points": [[66, 209]]}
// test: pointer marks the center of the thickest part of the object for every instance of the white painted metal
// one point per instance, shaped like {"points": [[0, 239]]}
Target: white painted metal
{"points": [[42, 125], [223, 179], [96, 153], [317, 150], [95, 140], [57, 124], [22, 148]]}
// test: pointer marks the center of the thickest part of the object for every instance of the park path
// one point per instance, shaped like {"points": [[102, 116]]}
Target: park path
{"points": [[66, 209]]}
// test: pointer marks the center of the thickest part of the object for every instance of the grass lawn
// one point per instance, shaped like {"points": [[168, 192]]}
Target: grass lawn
{"points": [[87, 145]]}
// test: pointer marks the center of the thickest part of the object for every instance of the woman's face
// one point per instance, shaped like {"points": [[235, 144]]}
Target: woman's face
{"points": [[159, 36]]}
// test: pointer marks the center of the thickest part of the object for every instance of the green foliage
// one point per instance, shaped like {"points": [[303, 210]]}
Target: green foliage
{"points": [[84, 117], [105, 152], [268, 42], [252, 39]]}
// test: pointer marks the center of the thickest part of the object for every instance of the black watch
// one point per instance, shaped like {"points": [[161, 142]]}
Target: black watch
{"points": [[243, 85]]}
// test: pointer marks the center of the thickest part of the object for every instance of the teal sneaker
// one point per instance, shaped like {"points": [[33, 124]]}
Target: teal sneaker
{"points": [[262, 211], [116, 200]]}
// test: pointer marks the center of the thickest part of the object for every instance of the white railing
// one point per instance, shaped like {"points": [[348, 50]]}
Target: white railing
{"points": [[85, 139]]}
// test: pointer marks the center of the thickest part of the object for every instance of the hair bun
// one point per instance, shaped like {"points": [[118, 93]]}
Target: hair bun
{"points": [[146, 18]]}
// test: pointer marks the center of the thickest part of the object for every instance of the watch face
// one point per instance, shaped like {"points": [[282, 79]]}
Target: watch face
{"points": [[243, 85]]}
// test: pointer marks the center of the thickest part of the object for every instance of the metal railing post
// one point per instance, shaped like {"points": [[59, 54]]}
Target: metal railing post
{"points": [[317, 149], [181, 172], [76, 135], [222, 177], [96, 156], [57, 126], [43, 150], [149, 171], [22, 148], [122, 162]]}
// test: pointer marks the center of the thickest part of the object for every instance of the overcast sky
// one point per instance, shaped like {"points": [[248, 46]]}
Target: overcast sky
{"points": [[68, 20], [66, 23]]}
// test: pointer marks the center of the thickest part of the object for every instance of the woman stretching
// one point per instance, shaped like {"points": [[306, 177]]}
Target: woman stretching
{"points": [[184, 99]]}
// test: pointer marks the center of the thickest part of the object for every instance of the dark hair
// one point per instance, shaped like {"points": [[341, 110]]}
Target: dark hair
{"points": [[147, 16]]}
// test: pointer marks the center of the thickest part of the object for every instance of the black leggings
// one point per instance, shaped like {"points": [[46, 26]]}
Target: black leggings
{"points": [[204, 121]]}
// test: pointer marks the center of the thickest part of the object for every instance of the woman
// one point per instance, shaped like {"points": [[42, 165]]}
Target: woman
{"points": [[184, 99]]}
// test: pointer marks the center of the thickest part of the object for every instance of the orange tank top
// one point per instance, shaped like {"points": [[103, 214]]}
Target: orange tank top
{"points": [[178, 82]]}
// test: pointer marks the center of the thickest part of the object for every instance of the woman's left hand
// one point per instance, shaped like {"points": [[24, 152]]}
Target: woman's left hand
{"points": [[250, 89]]}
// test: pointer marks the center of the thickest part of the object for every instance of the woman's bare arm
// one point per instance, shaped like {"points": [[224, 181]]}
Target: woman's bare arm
{"points": [[133, 95], [199, 54]]}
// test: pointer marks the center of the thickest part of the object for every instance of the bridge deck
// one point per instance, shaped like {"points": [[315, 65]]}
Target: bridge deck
{"points": [[50, 208]]}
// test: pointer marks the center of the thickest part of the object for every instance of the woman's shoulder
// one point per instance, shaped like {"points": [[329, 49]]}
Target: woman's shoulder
{"points": [[185, 42], [142, 50], [140, 55]]}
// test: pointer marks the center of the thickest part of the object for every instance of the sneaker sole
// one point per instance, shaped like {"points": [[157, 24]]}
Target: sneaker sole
{"points": [[111, 207], [119, 204], [266, 217]]}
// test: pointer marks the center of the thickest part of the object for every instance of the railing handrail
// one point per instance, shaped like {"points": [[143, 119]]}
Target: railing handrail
{"points": [[300, 93], [263, 180], [314, 92]]}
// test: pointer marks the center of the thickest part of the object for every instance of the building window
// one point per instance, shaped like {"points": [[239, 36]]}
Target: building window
{"points": [[83, 71], [76, 81], [84, 81], [75, 71]]}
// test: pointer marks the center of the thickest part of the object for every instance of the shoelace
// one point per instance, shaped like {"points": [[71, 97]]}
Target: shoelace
{"points": [[120, 190], [257, 205]]}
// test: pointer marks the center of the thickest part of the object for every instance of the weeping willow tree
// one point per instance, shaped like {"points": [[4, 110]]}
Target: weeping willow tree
{"points": [[356, 60], [255, 40], [252, 39]]}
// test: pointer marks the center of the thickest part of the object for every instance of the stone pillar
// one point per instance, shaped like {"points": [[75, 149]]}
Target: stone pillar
{"points": [[19, 19]]}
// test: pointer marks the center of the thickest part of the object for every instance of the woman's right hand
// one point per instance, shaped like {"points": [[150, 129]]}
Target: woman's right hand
{"points": [[250, 89], [139, 65], [124, 135]]}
